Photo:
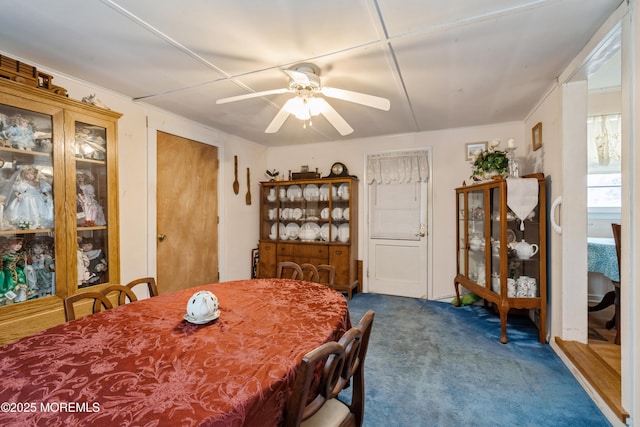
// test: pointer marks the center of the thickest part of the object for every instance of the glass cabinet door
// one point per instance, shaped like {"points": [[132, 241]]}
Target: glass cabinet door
{"points": [[27, 204], [96, 227], [497, 243], [476, 237], [339, 193], [462, 236], [269, 212]]}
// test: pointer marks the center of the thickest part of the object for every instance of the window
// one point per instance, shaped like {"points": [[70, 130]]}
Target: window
{"points": [[604, 181]]}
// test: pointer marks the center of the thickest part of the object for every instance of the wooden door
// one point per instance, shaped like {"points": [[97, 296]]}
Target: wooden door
{"points": [[187, 213]]}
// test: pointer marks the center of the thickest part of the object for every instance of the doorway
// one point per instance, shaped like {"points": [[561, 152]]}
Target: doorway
{"points": [[187, 213], [397, 261]]}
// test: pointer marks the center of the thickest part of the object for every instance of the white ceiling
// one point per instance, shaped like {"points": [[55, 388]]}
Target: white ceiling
{"points": [[441, 63]]}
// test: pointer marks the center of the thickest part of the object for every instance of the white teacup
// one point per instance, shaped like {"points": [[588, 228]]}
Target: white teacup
{"points": [[202, 304]]}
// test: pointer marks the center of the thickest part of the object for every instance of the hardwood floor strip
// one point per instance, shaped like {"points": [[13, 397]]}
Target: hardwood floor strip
{"points": [[603, 378]]}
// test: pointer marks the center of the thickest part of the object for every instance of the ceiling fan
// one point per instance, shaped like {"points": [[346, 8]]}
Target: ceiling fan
{"points": [[304, 81]]}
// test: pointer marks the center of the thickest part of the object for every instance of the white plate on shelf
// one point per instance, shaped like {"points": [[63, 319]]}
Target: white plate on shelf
{"points": [[345, 214], [297, 213], [324, 232], [343, 191], [204, 320], [285, 213], [336, 213], [311, 192], [324, 213], [275, 230], [292, 230], [294, 192], [343, 233]]}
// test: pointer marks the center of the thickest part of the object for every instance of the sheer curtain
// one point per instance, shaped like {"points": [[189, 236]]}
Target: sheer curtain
{"points": [[398, 167]]}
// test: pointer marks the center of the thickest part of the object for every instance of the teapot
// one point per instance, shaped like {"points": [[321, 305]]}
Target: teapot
{"points": [[476, 243], [526, 250], [308, 233]]}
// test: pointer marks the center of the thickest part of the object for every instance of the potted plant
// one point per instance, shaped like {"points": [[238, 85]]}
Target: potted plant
{"points": [[489, 163]]}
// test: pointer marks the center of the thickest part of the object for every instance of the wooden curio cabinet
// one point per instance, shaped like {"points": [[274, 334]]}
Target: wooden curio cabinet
{"points": [[59, 205], [314, 221], [501, 258]]}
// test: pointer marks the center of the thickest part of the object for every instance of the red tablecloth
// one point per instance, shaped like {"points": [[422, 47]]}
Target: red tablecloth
{"points": [[143, 365]]}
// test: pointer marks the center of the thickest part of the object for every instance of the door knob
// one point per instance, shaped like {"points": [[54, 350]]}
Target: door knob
{"points": [[423, 231], [161, 237]]}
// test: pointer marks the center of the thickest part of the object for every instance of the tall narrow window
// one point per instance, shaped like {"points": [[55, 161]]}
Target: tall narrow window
{"points": [[604, 168]]}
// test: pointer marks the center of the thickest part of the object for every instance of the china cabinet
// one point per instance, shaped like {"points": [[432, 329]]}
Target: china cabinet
{"points": [[312, 221], [501, 254], [58, 205]]}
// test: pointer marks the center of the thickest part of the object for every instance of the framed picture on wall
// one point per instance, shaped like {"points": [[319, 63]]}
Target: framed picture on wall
{"points": [[472, 147], [536, 136]]}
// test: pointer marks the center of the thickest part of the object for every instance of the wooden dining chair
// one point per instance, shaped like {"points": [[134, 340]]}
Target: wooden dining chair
{"points": [[617, 237], [289, 270], [99, 301], [324, 409], [309, 272], [326, 274], [123, 292], [149, 281], [356, 343]]}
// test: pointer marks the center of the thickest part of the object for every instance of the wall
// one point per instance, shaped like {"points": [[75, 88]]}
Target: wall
{"points": [[548, 159], [450, 169]]}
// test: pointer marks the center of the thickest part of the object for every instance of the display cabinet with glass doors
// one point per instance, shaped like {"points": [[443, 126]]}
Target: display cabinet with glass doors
{"points": [[58, 205], [312, 221], [501, 254]]}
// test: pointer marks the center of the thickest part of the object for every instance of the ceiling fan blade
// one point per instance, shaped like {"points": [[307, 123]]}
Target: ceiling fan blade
{"points": [[279, 119], [336, 119], [252, 95], [357, 97]]}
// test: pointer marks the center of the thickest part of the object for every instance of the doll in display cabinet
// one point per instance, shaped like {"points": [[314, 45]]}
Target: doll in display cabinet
{"points": [[40, 251], [93, 259], [90, 212], [17, 132], [29, 204], [89, 144], [13, 279]]}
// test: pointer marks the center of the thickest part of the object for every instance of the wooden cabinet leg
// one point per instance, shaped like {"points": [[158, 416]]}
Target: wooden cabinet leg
{"points": [[456, 285], [504, 311]]}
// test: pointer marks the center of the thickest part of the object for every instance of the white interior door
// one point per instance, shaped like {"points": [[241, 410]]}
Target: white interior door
{"points": [[397, 256]]}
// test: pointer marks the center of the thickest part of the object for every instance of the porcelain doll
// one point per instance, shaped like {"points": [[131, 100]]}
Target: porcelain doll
{"points": [[97, 261], [41, 254], [89, 144], [13, 280], [18, 132], [83, 269], [30, 204], [89, 210]]}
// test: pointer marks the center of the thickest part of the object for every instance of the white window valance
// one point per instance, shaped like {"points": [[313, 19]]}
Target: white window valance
{"points": [[397, 167]]}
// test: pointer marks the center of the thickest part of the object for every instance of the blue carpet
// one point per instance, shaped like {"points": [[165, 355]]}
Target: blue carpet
{"points": [[432, 364]]}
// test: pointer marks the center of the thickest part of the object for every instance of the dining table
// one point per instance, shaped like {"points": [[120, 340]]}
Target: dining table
{"points": [[143, 364], [602, 257]]}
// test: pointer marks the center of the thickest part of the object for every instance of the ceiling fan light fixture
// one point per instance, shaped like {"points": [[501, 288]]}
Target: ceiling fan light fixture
{"points": [[316, 105], [298, 107]]}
